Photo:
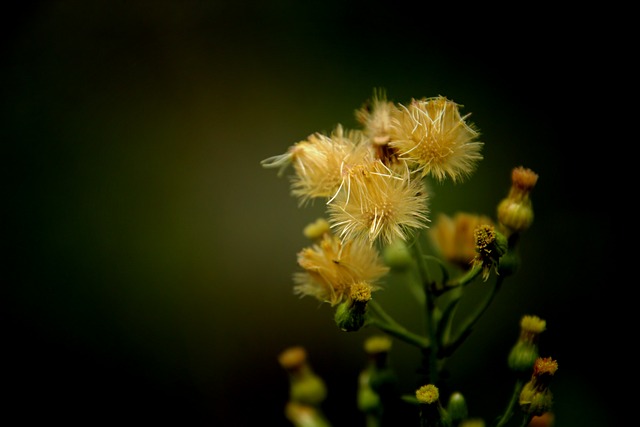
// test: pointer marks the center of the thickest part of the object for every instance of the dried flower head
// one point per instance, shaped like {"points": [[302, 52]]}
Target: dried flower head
{"points": [[490, 246], [332, 268], [435, 139], [379, 205], [319, 162]]}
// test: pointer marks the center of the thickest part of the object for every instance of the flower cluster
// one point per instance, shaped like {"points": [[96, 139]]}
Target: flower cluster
{"points": [[374, 183], [370, 178]]}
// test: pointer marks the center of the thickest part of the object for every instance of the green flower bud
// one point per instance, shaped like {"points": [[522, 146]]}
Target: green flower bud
{"points": [[397, 256], [308, 389], [457, 407], [368, 399], [522, 356], [431, 411], [515, 212], [509, 264], [534, 401], [516, 216], [350, 315]]}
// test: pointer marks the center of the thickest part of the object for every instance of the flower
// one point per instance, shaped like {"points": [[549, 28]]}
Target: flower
{"points": [[453, 237], [379, 204], [332, 268], [431, 135]]}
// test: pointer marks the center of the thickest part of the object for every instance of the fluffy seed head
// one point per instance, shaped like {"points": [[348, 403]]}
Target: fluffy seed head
{"points": [[431, 135], [379, 205]]}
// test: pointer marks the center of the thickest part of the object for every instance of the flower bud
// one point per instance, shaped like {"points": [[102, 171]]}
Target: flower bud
{"points": [[509, 264], [535, 397], [515, 215], [368, 399], [316, 229], [515, 212], [534, 401], [457, 407], [305, 387], [525, 352], [397, 256], [522, 356], [350, 315], [431, 411]]}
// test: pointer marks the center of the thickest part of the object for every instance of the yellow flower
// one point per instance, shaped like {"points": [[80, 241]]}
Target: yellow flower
{"points": [[331, 268], [435, 139], [379, 204], [453, 237]]}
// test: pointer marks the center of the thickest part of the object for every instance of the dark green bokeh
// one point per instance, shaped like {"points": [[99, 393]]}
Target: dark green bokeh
{"points": [[150, 256]]}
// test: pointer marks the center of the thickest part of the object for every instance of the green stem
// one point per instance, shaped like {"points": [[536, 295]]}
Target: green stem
{"points": [[430, 308], [512, 404], [465, 329], [386, 323], [466, 278]]}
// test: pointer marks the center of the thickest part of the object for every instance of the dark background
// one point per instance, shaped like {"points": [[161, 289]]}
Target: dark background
{"points": [[149, 256]]}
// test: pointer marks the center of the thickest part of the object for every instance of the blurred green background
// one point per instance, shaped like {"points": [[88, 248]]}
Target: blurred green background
{"points": [[149, 262]]}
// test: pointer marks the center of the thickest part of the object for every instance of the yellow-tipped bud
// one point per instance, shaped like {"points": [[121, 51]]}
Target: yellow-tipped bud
{"points": [[305, 387], [351, 315], [535, 402], [535, 397], [317, 229], [431, 411], [428, 394], [524, 353], [515, 212]]}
